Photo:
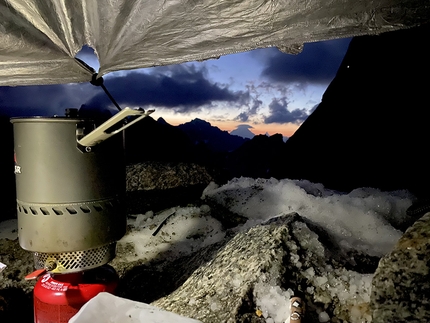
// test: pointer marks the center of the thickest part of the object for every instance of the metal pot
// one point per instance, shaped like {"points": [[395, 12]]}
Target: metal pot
{"points": [[70, 181]]}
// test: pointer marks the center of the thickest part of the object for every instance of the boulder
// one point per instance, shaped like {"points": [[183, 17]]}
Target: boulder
{"points": [[252, 277], [401, 285]]}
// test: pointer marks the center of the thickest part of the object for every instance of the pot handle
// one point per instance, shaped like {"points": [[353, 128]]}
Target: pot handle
{"points": [[100, 133]]}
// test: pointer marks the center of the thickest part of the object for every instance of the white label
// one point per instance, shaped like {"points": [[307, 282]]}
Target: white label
{"points": [[48, 283], [17, 169]]}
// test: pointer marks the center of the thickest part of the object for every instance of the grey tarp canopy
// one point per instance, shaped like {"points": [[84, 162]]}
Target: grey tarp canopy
{"points": [[40, 38]]}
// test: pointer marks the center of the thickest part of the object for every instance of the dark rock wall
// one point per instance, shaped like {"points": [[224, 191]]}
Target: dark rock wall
{"points": [[371, 128], [7, 177]]}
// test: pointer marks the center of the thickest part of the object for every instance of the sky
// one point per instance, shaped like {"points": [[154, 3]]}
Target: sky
{"points": [[372, 232], [265, 90]]}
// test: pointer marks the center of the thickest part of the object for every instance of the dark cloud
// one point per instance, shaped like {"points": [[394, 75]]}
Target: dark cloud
{"points": [[244, 126], [251, 100], [253, 104], [183, 88], [317, 64], [43, 100], [242, 117], [279, 113]]}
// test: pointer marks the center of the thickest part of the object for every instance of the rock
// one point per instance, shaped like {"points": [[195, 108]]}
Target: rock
{"points": [[154, 186], [249, 258], [401, 285], [272, 262], [164, 175], [20, 263]]}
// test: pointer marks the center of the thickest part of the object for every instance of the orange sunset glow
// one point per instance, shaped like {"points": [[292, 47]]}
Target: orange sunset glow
{"points": [[287, 129]]}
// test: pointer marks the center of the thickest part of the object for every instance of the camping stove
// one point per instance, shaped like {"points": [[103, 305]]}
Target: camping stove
{"points": [[70, 181]]}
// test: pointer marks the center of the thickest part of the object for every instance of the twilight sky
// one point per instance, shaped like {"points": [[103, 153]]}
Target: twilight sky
{"points": [[265, 89]]}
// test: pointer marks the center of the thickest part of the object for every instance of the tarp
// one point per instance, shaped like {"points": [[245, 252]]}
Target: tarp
{"points": [[40, 38]]}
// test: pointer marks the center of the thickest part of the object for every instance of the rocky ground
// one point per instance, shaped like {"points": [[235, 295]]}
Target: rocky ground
{"points": [[287, 252]]}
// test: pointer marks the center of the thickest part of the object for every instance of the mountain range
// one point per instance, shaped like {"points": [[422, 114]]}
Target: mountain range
{"points": [[199, 141]]}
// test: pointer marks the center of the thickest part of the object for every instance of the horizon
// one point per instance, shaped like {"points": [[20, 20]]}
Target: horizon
{"points": [[227, 126]]}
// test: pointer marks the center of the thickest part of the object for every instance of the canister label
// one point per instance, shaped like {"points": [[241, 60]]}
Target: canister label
{"points": [[48, 283]]}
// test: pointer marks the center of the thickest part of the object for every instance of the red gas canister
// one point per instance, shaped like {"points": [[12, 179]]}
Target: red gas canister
{"points": [[57, 298]]}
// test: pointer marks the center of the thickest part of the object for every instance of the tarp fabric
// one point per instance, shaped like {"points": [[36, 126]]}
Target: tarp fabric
{"points": [[40, 38]]}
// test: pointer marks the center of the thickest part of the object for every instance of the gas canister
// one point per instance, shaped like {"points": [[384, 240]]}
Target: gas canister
{"points": [[58, 298]]}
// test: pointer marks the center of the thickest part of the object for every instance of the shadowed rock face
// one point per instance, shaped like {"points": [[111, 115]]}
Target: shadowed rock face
{"points": [[7, 177], [255, 157], [371, 126]]}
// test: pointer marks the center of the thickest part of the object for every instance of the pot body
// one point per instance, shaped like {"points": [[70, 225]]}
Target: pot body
{"points": [[68, 199]]}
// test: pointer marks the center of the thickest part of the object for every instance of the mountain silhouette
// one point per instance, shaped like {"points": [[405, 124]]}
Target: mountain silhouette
{"points": [[243, 131], [217, 140], [151, 140], [256, 157]]}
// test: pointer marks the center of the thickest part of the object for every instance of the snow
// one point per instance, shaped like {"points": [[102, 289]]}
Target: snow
{"points": [[323, 317], [186, 230], [273, 301], [360, 220]]}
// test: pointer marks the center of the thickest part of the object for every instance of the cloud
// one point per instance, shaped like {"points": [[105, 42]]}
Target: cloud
{"points": [[279, 113], [242, 117], [253, 105], [182, 88], [251, 98], [43, 100], [244, 126], [317, 64]]}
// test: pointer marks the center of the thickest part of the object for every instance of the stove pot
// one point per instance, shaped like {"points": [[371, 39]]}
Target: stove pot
{"points": [[70, 182]]}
